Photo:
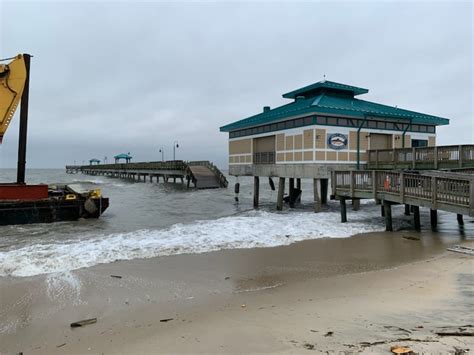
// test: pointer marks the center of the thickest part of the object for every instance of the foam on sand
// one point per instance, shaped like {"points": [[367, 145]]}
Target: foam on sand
{"points": [[249, 230]]}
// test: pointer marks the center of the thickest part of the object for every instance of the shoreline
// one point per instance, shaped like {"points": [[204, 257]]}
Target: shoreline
{"points": [[273, 291]]}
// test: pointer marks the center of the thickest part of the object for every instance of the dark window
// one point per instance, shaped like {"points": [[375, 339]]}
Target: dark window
{"points": [[390, 125], [372, 124], [419, 143], [254, 131], [415, 128], [431, 129], [380, 125], [274, 127], [289, 124], [299, 122], [281, 125], [308, 120], [332, 121], [320, 120], [260, 129], [423, 128], [343, 122], [353, 123], [266, 128]]}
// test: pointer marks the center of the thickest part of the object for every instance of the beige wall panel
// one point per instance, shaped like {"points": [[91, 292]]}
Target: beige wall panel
{"points": [[364, 141], [353, 140], [320, 155], [280, 156], [431, 141], [342, 156], [320, 139], [353, 156], [380, 141], [331, 155], [248, 159], [241, 146], [289, 157], [308, 155], [299, 141], [264, 144], [407, 141], [280, 141], [298, 156], [289, 143], [397, 140], [308, 137], [231, 160], [363, 156]]}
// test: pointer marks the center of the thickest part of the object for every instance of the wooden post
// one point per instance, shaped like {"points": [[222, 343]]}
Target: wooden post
{"points": [[188, 181], [343, 210], [433, 218], [317, 200], [416, 217], [292, 192], [407, 210], [460, 156], [382, 210], [387, 206], [281, 191], [256, 187], [298, 183], [355, 204], [435, 157], [324, 191], [460, 219], [374, 185]]}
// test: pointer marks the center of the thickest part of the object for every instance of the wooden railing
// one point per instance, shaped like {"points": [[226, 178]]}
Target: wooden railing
{"points": [[440, 157], [454, 193]]}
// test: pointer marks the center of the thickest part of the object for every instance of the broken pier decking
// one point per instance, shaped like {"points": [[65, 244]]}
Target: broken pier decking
{"points": [[202, 174], [437, 190]]}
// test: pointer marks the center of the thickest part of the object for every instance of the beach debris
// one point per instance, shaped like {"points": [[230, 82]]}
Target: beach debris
{"points": [[227, 278], [393, 327], [313, 330], [460, 351], [60, 345], [397, 349], [166, 320], [461, 249], [116, 276], [461, 331], [243, 305], [308, 346], [410, 237], [328, 334], [83, 322], [287, 235]]}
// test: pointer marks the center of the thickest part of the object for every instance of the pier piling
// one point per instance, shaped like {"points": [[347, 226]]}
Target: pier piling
{"points": [[416, 217], [387, 206], [343, 210], [256, 188], [317, 200], [281, 191], [433, 218]]}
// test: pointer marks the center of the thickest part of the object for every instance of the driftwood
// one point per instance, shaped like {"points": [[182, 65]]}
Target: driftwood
{"points": [[84, 322]]}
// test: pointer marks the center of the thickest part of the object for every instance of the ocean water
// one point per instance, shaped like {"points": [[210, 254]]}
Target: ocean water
{"points": [[149, 219]]}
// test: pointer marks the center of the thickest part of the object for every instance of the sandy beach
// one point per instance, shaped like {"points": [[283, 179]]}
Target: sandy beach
{"points": [[359, 294]]}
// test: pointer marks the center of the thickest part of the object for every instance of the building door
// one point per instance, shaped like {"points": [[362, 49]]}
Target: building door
{"points": [[264, 150], [380, 141]]}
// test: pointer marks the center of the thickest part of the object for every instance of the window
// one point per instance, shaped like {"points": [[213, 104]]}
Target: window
{"points": [[332, 121], [415, 127], [299, 122], [390, 125], [343, 122], [308, 120], [260, 129], [419, 143], [320, 120], [289, 124], [380, 124], [423, 128], [372, 124], [281, 125], [431, 129]]}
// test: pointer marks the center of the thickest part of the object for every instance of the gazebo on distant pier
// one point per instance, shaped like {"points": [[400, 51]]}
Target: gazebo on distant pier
{"points": [[94, 161], [126, 156]]}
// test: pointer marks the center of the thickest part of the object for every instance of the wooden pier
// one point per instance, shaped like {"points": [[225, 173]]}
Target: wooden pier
{"points": [[201, 174], [449, 157], [437, 190]]}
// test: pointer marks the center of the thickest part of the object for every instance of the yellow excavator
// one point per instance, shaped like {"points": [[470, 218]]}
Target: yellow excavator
{"points": [[12, 83], [21, 203]]}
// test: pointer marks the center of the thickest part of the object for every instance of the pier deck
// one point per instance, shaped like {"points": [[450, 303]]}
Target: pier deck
{"points": [[202, 174], [437, 190]]}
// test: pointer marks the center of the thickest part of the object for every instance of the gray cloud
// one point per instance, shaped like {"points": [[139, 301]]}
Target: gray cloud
{"points": [[111, 77]]}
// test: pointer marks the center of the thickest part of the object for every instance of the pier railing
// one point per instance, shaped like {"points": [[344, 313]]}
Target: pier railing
{"points": [[264, 158], [454, 193], [439, 157]]}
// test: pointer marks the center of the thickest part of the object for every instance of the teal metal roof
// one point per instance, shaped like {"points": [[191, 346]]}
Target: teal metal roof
{"points": [[94, 160], [123, 156], [330, 103], [310, 90]]}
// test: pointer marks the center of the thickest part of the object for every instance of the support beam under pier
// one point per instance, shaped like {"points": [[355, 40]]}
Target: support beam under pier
{"points": [[256, 188], [281, 191]]}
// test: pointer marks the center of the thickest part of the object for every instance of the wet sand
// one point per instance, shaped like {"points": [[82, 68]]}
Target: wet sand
{"points": [[359, 294]]}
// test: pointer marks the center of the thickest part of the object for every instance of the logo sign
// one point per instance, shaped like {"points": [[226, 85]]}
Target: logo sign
{"points": [[337, 141]]}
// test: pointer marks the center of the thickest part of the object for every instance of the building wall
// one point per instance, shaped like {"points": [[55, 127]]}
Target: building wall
{"points": [[309, 145]]}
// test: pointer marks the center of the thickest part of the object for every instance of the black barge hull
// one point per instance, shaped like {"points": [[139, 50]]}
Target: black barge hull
{"points": [[50, 210]]}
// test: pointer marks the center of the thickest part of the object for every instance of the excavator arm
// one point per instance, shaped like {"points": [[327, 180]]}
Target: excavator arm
{"points": [[12, 82]]}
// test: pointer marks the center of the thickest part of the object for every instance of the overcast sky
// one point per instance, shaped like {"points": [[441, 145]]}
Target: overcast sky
{"points": [[110, 77]]}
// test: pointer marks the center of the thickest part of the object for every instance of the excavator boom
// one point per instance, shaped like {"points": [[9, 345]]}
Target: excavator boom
{"points": [[12, 82]]}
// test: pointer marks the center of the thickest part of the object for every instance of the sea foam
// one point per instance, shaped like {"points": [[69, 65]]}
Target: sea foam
{"points": [[249, 230]]}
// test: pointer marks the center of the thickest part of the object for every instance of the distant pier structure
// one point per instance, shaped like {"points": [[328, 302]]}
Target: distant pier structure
{"points": [[198, 174], [325, 128]]}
